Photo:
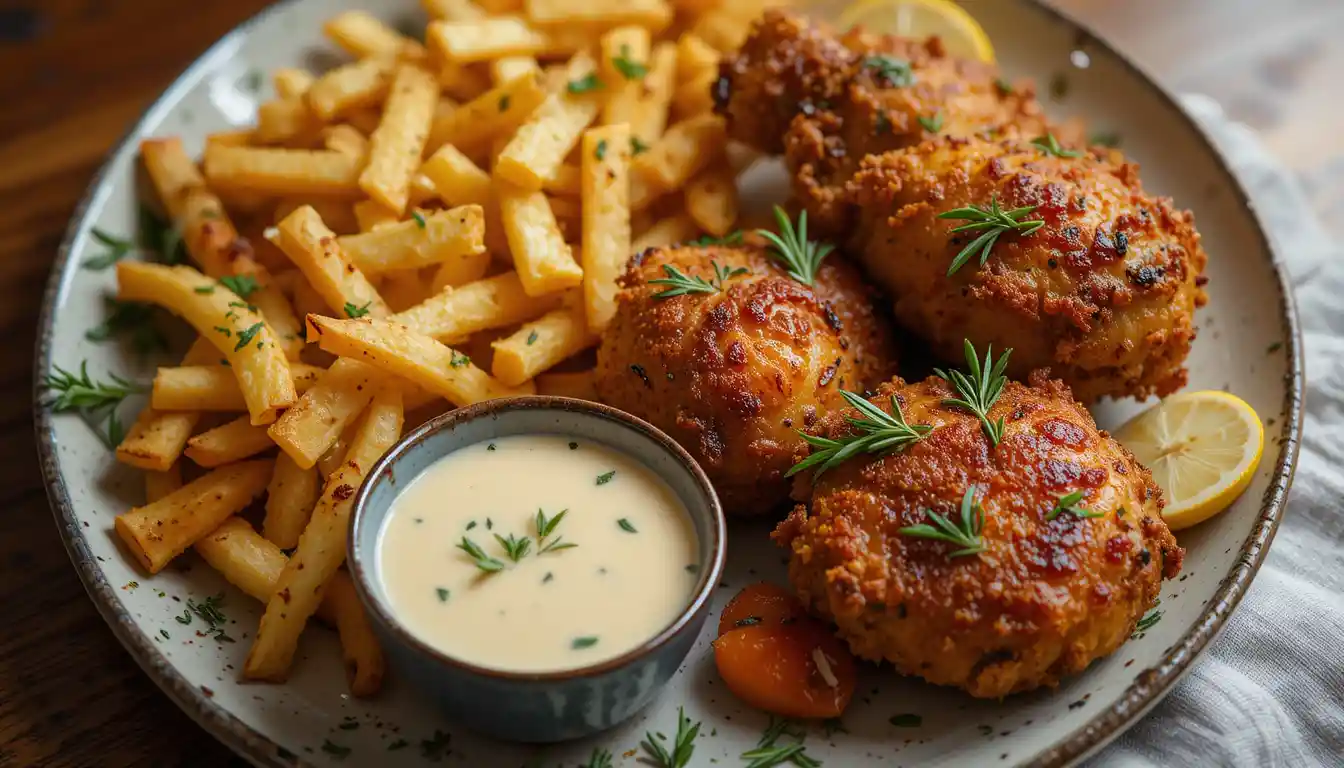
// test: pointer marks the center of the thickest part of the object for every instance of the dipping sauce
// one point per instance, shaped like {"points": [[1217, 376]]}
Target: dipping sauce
{"points": [[476, 560]]}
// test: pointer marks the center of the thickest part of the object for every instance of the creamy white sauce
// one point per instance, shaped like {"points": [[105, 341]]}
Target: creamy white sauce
{"points": [[550, 610]]}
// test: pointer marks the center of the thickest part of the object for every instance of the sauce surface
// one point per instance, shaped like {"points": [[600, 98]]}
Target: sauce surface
{"points": [[542, 605]]}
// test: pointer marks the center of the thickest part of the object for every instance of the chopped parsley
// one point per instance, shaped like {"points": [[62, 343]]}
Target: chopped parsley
{"points": [[586, 84], [579, 643], [353, 311], [243, 285], [246, 335], [605, 477], [627, 526], [628, 67]]}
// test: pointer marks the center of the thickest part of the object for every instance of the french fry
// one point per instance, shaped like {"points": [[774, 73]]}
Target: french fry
{"points": [[350, 87], [315, 250], [249, 345], [606, 219], [684, 150], [695, 57], [347, 140], [397, 145], [291, 83], [360, 651], [466, 41], [158, 532], [456, 236], [565, 208], [693, 97], [214, 387], [541, 344], [364, 120], [453, 10], [421, 191], [543, 259], [227, 443], [371, 215], [287, 121], [283, 171], [411, 355], [500, 7], [507, 68], [654, 14], [540, 144], [674, 229], [309, 428], [496, 112], [495, 302], [321, 549], [239, 138], [290, 497], [578, 385], [405, 288], [725, 28], [649, 119], [306, 298], [160, 484], [363, 36], [624, 65], [565, 181], [207, 233], [458, 180], [334, 456], [711, 200], [463, 82], [156, 439]]}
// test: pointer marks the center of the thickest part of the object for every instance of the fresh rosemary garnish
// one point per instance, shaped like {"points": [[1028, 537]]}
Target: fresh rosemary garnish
{"points": [[1148, 621], [243, 285], [600, 758], [246, 335], [896, 72], [965, 534], [545, 527], [801, 257], [95, 401], [133, 318], [627, 526], [629, 68], [515, 547], [683, 746], [681, 284], [590, 82], [879, 432], [579, 643], [483, 561], [419, 219], [981, 389], [732, 238], [208, 611], [118, 249], [1069, 503], [932, 124], [1049, 144], [990, 222], [353, 311], [768, 754]]}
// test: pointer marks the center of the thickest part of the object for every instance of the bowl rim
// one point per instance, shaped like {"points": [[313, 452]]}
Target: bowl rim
{"points": [[1148, 689], [362, 564]]}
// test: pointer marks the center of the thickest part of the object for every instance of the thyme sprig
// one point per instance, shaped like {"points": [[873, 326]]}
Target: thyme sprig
{"points": [[879, 432], [683, 746]]}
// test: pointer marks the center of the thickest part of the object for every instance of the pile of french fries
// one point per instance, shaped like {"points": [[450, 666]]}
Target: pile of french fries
{"points": [[431, 225]]}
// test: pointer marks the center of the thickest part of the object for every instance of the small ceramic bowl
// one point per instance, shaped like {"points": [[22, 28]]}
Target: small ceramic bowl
{"points": [[548, 706]]}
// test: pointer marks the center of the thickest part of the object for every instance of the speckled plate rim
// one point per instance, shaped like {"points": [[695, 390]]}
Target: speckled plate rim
{"points": [[1147, 690]]}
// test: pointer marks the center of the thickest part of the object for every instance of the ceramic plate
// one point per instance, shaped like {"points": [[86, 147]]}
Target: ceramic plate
{"points": [[1248, 344]]}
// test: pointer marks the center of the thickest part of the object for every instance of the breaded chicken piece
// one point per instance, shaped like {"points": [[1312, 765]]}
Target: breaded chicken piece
{"points": [[826, 101], [1044, 598], [1103, 294], [733, 375]]}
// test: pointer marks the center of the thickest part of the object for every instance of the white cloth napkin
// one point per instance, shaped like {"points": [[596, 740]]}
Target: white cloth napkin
{"points": [[1269, 691]]}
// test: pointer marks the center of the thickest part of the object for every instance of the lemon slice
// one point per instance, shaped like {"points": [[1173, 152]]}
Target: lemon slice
{"points": [[922, 18], [1203, 448]]}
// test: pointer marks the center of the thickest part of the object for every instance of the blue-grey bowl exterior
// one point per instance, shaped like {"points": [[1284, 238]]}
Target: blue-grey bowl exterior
{"points": [[536, 707]]}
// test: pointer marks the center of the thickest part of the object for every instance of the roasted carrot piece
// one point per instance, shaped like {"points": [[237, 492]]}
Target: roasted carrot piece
{"points": [[760, 604], [796, 670]]}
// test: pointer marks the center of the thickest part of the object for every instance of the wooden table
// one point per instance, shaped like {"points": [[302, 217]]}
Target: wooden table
{"points": [[78, 72]]}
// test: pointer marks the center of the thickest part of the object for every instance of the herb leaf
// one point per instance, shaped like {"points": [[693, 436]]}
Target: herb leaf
{"points": [[981, 389], [1050, 145], [483, 561], [515, 547], [129, 317], [627, 526], [243, 285], [681, 284], [601, 151], [246, 335], [932, 124], [879, 432], [990, 222], [457, 359], [1149, 620], [352, 311], [768, 753], [118, 249], [683, 746], [419, 219], [606, 477], [637, 146], [1069, 503], [896, 72], [965, 533], [585, 84], [600, 758], [81, 392], [579, 643], [800, 257], [629, 68]]}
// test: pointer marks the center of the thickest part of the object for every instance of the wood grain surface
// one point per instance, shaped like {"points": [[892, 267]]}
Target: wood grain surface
{"points": [[77, 73]]}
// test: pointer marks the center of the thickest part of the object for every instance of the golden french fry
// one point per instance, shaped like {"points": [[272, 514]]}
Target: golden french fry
{"points": [[227, 443], [156, 439], [711, 200], [314, 423], [624, 65], [214, 387], [544, 261], [239, 138], [453, 10], [694, 57], [207, 233], [724, 28], [321, 549], [674, 229], [541, 344], [249, 345], [578, 385], [413, 356], [693, 97], [396, 146], [347, 140], [291, 82], [654, 14], [606, 219], [497, 112], [685, 149], [290, 497], [354, 86], [507, 68], [160, 484], [158, 532], [565, 181], [370, 215], [363, 36], [542, 142], [495, 302], [405, 288], [360, 651], [466, 41], [364, 120], [317, 252], [649, 119], [456, 235], [463, 82], [287, 121], [283, 171]]}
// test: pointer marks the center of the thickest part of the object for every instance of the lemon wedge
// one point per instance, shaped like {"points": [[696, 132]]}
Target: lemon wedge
{"points": [[1203, 448], [922, 18]]}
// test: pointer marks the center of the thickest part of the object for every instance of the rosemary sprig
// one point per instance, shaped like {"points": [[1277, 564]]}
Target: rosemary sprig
{"points": [[879, 432], [965, 534], [896, 72], [981, 389], [117, 249], [1050, 145], [990, 222], [800, 257], [600, 758], [681, 284], [732, 238], [545, 527], [1148, 621], [133, 318], [483, 561], [514, 546], [82, 393], [682, 747], [1069, 503], [768, 754], [243, 285], [586, 84]]}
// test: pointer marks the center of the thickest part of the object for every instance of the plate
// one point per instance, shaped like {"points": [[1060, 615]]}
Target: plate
{"points": [[1248, 344]]}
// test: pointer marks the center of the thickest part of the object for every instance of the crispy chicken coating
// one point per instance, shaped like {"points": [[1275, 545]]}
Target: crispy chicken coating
{"points": [[733, 375], [1103, 294], [1042, 600]]}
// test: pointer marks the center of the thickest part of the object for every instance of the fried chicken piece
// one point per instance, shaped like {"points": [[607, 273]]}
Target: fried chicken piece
{"points": [[1103, 294], [795, 88], [733, 375], [1042, 600]]}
